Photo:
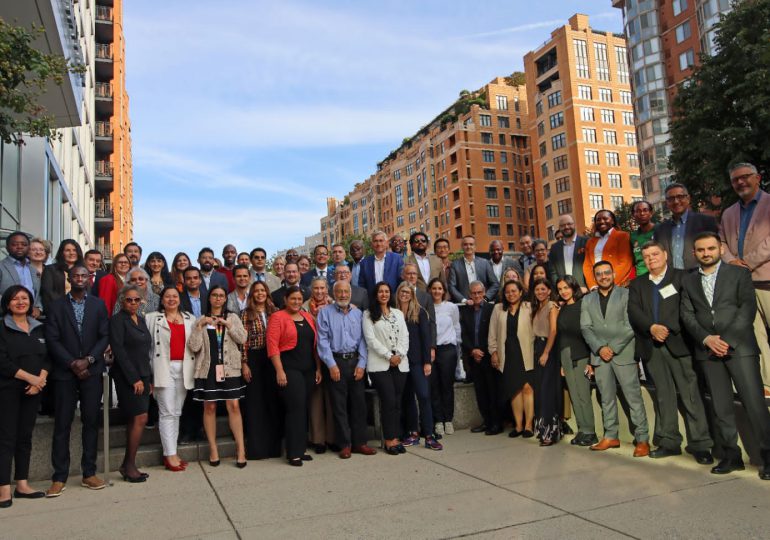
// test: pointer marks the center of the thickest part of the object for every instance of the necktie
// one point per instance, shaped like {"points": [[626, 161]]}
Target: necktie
{"points": [[91, 279], [322, 273]]}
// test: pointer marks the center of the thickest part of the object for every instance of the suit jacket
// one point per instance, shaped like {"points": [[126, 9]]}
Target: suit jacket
{"points": [[272, 281], [459, 286], [216, 279], [51, 285], [278, 295], [394, 263], [64, 342], [359, 297], [756, 244], [617, 251], [467, 324], [9, 276], [640, 314], [696, 224], [131, 345], [613, 330], [426, 302], [556, 266], [436, 270], [186, 305], [308, 277], [731, 316], [232, 302], [95, 287]]}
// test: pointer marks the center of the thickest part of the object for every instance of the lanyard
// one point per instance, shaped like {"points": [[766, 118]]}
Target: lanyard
{"points": [[220, 331]]}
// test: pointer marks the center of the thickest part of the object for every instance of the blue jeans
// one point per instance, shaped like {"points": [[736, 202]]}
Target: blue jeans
{"points": [[417, 385]]}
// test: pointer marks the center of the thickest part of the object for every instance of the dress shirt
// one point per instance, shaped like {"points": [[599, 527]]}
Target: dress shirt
{"points": [[525, 261], [569, 253], [470, 269], [259, 276], [379, 269], [423, 263], [604, 300], [79, 307], [708, 282], [355, 271], [448, 330], [25, 276], [340, 332], [321, 272], [207, 279], [497, 269], [599, 248], [243, 303], [747, 210], [195, 303], [677, 241]]}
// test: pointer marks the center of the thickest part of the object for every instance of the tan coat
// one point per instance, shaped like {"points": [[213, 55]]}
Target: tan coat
{"points": [[199, 346], [498, 335], [756, 245]]}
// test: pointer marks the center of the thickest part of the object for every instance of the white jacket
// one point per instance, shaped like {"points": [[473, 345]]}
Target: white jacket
{"points": [[383, 337], [160, 350]]}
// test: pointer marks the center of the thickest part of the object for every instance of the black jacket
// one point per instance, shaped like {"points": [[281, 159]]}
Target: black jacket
{"points": [[186, 305], [696, 224], [19, 350], [419, 339], [51, 285], [467, 326], [130, 346], [556, 267], [279, 300]]}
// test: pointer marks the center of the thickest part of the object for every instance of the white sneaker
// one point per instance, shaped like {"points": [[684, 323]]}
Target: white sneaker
{"points": [[438, 429], [449, 428]]}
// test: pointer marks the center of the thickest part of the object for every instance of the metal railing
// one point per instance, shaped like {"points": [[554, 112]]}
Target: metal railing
{"points": [[103, 209], [103, 13], [104, 51], [103, 129], [106, 250], [103, 90], [103, 168]]}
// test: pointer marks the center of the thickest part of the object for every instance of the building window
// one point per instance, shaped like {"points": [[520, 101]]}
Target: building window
{"points": [[615, 180], [686, 60], [503, 122], [581, 58], [635, 181], [592, 157], [625, 97], [587, 114], [508, 210], [505, 175], [679, 6], [410, 193], [503, 157], [547, 191], [584, 91], [488, 156], [558, 141], [544, 170], [602, 63], [397, 174], [589, 135], [630, 138], [557, 120], [539, 108], [494, 229], [610, 136], [594, 179], [506, 193], [486, 138], [409, 169], [564, 206], [560, 163], [485, 120], [616, 201], [628, 118], [540, 129], [608, 116], [493, 210], [489, 174], [562, 184], [596, 202], [621, 59], [613, 159], [554, 99], [502, 102], [490, 192], [683, 31], [605, 94], [542, 149], [548, 212], [633, 160], [399, 199], [412, 217]]}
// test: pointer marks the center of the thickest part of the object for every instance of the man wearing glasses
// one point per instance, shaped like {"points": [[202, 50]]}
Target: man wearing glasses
{"points": [[745, 230], [677, 234], [429, 266]]}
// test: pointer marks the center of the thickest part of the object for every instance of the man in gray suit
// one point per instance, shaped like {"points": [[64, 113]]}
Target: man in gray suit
{"points": [[15, 269], [567, 255], [608, 333], [501, 263], [471, 268]]}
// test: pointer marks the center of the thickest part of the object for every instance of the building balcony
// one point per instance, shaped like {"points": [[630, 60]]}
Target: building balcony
{"points": [[106, 251], [103, 175], [104, 67], [104, 26], [104, 13], [103, 98], [104, 143], [103, 215]]}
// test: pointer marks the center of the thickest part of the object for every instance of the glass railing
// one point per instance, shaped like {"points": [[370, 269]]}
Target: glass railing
{"points": [[103, 51], [103, 209], [103, 129]]}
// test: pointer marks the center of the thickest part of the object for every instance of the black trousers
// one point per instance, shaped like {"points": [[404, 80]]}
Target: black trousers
{"points": [[390, 386], [743, 371], [486, 385], [67, 394], [18, 413], [348, 404], [296, 397], [442, 383]]}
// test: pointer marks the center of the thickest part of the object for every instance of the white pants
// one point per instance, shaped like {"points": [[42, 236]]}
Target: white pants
{"points": [[760, 330], [170, 401]]}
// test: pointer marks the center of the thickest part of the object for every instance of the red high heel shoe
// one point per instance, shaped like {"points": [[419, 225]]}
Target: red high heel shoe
{"points": [[173, 468]]}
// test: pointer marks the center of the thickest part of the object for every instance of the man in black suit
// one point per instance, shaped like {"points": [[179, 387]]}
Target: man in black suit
{"points": [[320, 267], [359, 297], [676, 234], [291, 278], [718, 310], [474, 321], [567, 255], [470, 268], [77, 334], [194, 297], [93, 262], [653, 310], [210, 277]]}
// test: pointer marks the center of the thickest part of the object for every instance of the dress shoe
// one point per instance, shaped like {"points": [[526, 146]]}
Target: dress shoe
{"points": [[605, 444], [703, 457], [662, 452], [527, 434], [6, 504], [319, 448], [34, 495], [494, 430], [392, 450], [55, 490], [728, 465], [215, 462], [479, 429], [588, 440], [400, 448], [307, 457], [515, 433], [577, 438], [764, 471], [295, 462], [364, 449], [345, 453], [173, 468], [642, 449], [93, 482], [241, 464]]}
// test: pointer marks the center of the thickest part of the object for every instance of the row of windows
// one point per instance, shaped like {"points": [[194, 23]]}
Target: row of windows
{"points": [[595, 180], [607, 116], [601, 59], [596, 202]]}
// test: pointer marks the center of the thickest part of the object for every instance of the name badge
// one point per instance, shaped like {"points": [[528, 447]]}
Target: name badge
{"points": [[668, 291]]}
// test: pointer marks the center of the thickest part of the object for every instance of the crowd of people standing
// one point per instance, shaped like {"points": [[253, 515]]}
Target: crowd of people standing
{"points": [[290, 351]]}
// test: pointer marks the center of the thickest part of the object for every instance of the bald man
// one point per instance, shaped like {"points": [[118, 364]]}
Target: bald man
{"points": [[567, 255]]}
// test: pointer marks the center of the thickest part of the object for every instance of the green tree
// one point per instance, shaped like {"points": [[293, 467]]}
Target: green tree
{"points": [[626, 222], [364, 238], [722, 114], [24, 74], [517, 78]]}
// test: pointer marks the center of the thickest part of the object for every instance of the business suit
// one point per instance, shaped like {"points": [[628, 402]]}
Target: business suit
{"points": [[9, 275], [730, 315], [216, 279], [391, 274], [185, 304], [308, 277], [485, 377], [66, 344], [273, 282], [359, 297], [669, 362], [94, 289], [459, 285], [695, 224], [613, 329], [506, 263], [436, 270], [556, 266]]}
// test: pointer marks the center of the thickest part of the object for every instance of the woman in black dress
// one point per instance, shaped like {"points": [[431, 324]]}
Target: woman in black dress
{"points": [[262, 421], [130, 341], [548, 380], [511, 346]]}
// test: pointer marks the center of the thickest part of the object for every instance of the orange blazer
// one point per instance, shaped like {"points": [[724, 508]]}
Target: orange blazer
{"points": [[617, 251]]}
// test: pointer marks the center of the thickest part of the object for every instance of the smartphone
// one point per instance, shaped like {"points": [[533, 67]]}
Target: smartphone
{"points": [[220, 372]]}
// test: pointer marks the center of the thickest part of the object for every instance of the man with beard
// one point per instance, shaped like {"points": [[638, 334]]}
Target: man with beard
{"points": [[291, 277], [608, 244], [358, 295], [15, 269], [501, 263], [133, 251], [229, 254], [258, 257], [429, 266], [209, 276], [397, 245], [356, 254], [292, 255], [567, 255]]}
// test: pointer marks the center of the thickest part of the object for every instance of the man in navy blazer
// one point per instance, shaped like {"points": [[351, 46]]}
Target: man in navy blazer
{"points": [[321, 268], [382, 266], [77, 335], [459, 280]]}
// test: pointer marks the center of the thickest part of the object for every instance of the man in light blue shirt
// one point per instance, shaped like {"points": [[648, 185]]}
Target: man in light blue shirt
{"points": [[15, 269]]}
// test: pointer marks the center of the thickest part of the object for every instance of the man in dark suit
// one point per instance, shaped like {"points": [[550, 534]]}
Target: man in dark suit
{"points": [[471, 268], [93, 262], [653, 310], [474, 321], [77, 334], [718, 310], [194, 297], [291, 278], [676, 234], [500, 262], [358, 295], [320, 268], [210, 277], [567, 255], [383, 265]]}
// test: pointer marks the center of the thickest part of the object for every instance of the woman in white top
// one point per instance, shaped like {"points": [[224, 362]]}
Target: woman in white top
{"points": [[448, 337], [387, 340]]}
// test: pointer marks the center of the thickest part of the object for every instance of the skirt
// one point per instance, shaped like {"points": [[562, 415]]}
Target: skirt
{"points": [[209, 389], [131, 404]]}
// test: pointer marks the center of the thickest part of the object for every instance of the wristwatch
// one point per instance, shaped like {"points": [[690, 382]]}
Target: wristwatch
{"points": [[91, 360]]}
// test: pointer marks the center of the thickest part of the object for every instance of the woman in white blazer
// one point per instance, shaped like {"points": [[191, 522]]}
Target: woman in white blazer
{"points": [[387, 341], [172, 366]]}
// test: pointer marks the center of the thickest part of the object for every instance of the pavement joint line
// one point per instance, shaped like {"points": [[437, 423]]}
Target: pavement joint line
{"points": [[504, 527], [219, 500], [550, 505]]}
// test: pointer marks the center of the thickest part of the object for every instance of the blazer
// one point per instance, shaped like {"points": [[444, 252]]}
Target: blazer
{"points": [[64, 342], [731, 316], [613, 330], [426, 302], [199, 345], [617, 251], [272, 281], [467, 323], [232, 302], [51, 285], [359, 297], [216, 279], [436, 270], [498, 335], [307, 278], [186, 305], [282, 334], [160, 351], [19, 350], [95, 287], [394, 264], [640, 314], [508, 262], [556, 266], [130, 345], [419, 339], [696, 224], [459, 286], [278, 295], [756, 244], [9, 276], [378, 342]]}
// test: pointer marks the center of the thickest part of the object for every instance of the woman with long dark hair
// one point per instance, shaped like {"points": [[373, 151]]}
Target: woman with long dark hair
{"points": [[157, 268], [535, 272], [53, 282], [448, 338], [112, 283], [179, 264], [547, 378]]}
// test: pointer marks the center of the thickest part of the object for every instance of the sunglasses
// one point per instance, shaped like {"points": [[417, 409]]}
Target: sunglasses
{"points": [[132, 300]]}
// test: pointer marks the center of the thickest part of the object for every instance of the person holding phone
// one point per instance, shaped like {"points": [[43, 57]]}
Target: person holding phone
{"points": [[214, 342]]}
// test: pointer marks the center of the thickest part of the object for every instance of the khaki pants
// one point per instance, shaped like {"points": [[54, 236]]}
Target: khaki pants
{"points": [[761, 324]]}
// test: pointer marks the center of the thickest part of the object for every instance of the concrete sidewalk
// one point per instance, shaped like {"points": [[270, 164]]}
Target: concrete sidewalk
{"points": [[489, 487]]}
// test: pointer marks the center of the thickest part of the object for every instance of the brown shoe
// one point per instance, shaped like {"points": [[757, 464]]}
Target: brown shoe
{"points": [[642, 449], [55, 490], [93, 482], [365, 450], [606, 444], [345, 453]]}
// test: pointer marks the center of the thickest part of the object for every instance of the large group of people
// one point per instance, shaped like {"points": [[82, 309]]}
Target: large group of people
{"points": [[289, 351]]}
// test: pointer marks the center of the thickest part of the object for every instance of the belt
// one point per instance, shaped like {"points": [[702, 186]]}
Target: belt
{"points": [[345, 355]]}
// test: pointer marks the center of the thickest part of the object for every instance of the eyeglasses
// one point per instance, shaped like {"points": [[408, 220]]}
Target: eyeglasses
{"points": [[132, 300], [742, 177], [603, 273], [672, 198]]}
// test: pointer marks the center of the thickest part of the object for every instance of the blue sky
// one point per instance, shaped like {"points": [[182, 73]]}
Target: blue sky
{"points": [[247, 114]]}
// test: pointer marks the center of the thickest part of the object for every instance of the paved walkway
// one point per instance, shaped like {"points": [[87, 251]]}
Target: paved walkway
{"points": [[486, 487]]}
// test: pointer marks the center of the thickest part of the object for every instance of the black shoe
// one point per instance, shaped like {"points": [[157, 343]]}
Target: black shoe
{"points": [[6, 504], [392, 450], [565, 429], [513, 434], [295, 462], [479, 429], [728, 465], [494, 430], [319, 448], [577, 438], [307, 457], [214, 463], [764, 471], [33, 495], [588, 440], [527, 434], [400, 448], [241, 464], [662, 452], [703, 457]]}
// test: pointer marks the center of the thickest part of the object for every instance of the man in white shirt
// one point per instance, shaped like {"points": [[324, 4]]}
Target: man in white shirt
{"points": [[468, 269], [237, 300], [499, 262], [567, 255], [429, 266]]}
